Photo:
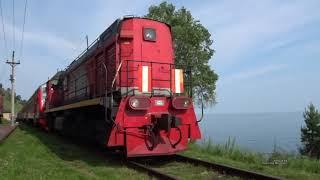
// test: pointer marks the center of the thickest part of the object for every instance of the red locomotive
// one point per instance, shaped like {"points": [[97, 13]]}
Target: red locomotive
{"points": [[124, 91]]}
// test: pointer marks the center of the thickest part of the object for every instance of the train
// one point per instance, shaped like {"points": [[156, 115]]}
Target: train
{"points": [[125, 92]]}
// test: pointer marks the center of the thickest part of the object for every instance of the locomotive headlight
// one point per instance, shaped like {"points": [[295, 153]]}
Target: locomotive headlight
{"points": [[134, 103], [181, 102], [149, 34], [186, 103], [139, 102]]}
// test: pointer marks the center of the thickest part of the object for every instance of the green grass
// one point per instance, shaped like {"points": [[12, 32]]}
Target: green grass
{"points": [[4, 121], [285, 165], [31, 154]]}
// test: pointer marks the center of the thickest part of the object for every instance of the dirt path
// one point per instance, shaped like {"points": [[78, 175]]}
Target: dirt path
{"points": [[5, 131]]}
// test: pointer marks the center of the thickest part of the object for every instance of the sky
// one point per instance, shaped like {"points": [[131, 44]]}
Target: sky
{"points": [[267, 52]]}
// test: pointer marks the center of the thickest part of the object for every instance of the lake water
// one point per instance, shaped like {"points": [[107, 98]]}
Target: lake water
{"points": [[257, 132]]}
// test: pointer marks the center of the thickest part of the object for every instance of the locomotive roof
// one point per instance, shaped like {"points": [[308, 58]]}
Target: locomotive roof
{"points": [[137, 17], [57, 75], [111, 30]]}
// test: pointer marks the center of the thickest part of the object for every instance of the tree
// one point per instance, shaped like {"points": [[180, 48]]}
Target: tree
{"points": [[1, 89], [18, 98], [192, 44], [310, 133]]}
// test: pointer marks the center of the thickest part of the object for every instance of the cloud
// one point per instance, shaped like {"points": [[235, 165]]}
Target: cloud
{"points": [[41, 38], [50, 40], [239, 27], [44, 51], [253, 73]]}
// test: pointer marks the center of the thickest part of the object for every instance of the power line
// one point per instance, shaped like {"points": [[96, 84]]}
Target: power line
{"points": [[24, 21], [13, 28], [4, 32]]}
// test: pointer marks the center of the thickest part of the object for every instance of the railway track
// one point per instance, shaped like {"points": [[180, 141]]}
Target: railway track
{"points": [[150, 171], [143, 164], [220, 168]]}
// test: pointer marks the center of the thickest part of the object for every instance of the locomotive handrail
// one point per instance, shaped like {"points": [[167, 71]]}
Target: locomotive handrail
{"points": [[106, 94], [106, 78], [106, 70], [111, 98], [130, 60], [186, 70], [84, 52], [115, 76]]}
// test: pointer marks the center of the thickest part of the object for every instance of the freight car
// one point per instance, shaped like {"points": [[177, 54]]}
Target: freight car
{"points": [[124, 91]]}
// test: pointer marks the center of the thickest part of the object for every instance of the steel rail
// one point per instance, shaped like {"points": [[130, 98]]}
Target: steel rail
{"points": [[150, 171], [225, 169]]}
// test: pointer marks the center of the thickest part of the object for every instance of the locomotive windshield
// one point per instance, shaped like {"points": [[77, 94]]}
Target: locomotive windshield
{"points": [[149, 34]]}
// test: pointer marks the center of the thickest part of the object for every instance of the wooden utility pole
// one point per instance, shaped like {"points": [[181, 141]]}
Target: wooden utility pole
{"points": [[13, 64]]}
